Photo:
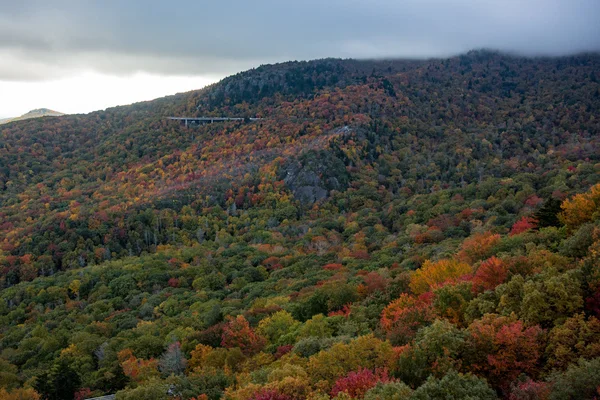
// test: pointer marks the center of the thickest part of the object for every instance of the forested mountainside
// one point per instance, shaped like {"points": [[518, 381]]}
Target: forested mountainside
{"points": [[387, 230]]}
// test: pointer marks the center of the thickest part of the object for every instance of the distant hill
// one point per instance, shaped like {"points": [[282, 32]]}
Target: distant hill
{"points": [[37, 113]]}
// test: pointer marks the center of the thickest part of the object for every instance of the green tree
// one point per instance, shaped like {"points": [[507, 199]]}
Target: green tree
{"points": [[9, 378], [153, 389], [279, 329], [389, 391], [318, 326], [436, 350], [455, 386], [579, 381], [548, 298], [574, 339], [59, 383]]}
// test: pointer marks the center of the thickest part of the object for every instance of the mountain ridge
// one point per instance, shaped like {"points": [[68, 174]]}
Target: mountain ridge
{"points": [[395, 98]]}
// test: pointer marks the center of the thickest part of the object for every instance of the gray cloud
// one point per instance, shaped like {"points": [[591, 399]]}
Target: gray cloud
{"points": [[45, 40]]}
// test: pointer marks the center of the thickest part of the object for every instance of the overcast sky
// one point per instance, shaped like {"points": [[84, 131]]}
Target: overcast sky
{"points": [[83, 55]]}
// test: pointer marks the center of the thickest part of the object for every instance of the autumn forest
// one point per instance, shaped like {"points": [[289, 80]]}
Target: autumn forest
{"points": [[387, 230]]}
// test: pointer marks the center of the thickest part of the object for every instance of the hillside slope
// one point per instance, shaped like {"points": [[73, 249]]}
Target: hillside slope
{"points": [[418, 202]]}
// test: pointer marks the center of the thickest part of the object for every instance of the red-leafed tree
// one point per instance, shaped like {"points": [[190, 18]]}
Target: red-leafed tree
{"points": [[333, 267], [238, 333], [403, 317], [530, 390], [523, 225], [82, 394], [283, 350], [374, 282], [357, 383], [502, 348], [491, 273]]}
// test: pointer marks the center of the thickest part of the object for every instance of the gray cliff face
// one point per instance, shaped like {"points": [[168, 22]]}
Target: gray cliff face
{"points": [[313, 175]]}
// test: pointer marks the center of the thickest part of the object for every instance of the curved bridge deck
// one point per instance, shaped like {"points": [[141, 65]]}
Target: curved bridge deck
{"points": [[209, 120]]}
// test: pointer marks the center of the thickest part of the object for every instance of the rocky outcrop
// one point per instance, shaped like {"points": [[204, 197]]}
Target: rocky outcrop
{"points": [[314, 174]]}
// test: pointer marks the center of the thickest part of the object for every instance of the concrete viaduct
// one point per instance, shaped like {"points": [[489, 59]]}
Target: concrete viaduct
{"points": [[209, 120]]}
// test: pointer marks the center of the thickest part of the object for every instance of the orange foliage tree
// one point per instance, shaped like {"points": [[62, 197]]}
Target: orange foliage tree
{"points": [[581, 208], [435, 273], [198, 356], [403, 317], [137, 369], [238, 333], [478, 247], [19, 394]]}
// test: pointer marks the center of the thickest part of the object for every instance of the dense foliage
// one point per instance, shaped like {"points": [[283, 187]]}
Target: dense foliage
{"points": [[388, 230]]}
